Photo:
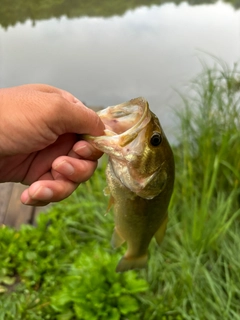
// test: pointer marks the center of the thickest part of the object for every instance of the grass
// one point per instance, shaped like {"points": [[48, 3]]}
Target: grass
{"points": [[65, 268]]}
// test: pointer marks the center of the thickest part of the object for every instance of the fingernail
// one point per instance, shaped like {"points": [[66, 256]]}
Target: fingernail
{"points": [[65, 168], [43, 193], [84, 151]]}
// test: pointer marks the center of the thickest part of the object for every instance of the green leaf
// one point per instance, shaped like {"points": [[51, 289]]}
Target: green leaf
{"points": [[3, 289], [114, 314], [31, 255], [127, 304], [7, 280], [66, 316]]}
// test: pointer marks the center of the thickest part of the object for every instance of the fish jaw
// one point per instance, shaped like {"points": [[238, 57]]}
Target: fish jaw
{"points": [[125, 149], [126, 118], [146, 187], [121, 162], [123, 123]]}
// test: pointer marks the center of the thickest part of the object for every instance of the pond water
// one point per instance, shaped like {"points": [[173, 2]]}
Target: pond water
{"points": [[149, 51]]}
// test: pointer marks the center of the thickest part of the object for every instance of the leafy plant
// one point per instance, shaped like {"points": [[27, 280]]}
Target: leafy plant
{"points": [[94, 290]]}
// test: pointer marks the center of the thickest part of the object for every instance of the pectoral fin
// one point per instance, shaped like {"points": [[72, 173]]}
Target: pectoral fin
{"points": [[116, 240], [106, 192], [110, 203], [159, 235]]}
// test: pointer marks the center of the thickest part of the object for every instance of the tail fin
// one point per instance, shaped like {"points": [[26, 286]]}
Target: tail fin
{"points": [[126, 264]]}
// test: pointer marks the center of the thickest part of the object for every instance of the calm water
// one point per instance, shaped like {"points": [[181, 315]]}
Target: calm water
{"points": [[148, 51]]}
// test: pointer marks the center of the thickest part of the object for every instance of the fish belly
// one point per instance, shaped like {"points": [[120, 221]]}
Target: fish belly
{"points": [[137, 220]]}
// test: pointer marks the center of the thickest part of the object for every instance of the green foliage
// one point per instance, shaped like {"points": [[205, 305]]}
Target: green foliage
{"points": [[208, 153], [64, 268], [15, 11], [94, 290], [205, 211]]}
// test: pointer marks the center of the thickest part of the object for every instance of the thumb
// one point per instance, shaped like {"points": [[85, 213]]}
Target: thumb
{"points": [[73, 116]]}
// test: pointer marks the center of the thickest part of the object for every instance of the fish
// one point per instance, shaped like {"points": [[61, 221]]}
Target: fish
{"points": [[140, 177]]}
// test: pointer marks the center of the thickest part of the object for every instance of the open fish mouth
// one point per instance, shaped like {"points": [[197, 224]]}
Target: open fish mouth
{"points": [[125, 118], [125, 141], [123, 123]]}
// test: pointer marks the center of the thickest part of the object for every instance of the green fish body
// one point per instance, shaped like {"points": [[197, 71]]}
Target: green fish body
{"points": [[140, 177]]}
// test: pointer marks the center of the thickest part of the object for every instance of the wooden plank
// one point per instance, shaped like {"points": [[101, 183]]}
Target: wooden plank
{"points": [[12, 212], [37, 211], [5, 195], [17, 213]]}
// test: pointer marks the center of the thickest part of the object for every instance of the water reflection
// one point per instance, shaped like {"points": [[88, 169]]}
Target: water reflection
{"points": [[15, 11], [147, 51]]}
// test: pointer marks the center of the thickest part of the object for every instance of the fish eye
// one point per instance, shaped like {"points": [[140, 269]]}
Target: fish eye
{"points": [[156, 139]]}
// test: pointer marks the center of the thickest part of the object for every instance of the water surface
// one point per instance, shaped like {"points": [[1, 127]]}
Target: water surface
{"points": [[149, 51]]}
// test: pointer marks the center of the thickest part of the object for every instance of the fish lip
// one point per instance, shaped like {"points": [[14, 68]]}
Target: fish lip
{"points": [[112, 143], [142, 122]]}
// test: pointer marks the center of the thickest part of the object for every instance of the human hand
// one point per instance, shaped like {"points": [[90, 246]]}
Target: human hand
{"points": [[39, 142]]}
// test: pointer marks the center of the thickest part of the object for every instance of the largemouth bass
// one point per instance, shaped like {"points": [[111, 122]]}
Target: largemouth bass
{"points": [[140, 177]]}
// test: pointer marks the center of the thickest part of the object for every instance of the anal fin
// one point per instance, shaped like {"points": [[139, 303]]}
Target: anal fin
{"points": [[159, 235]]}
